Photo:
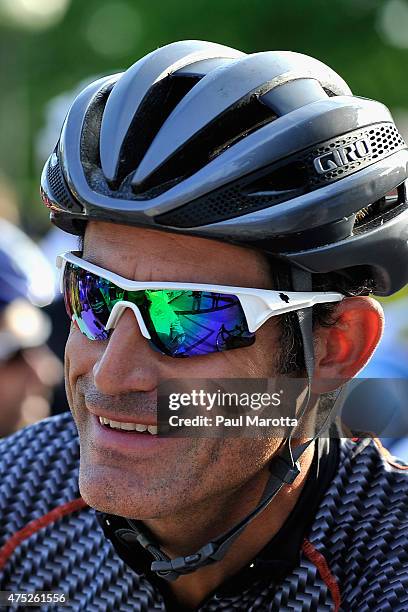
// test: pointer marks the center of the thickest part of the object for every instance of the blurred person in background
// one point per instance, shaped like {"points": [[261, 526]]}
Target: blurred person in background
{"points": [[41, 282], [28, 369]]}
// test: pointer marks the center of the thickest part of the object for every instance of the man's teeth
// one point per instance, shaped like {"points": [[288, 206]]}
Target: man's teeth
{"points": [[128, 426]]}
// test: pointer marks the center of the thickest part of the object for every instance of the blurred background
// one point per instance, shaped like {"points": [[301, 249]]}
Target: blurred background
{"points": [[50, 49]]}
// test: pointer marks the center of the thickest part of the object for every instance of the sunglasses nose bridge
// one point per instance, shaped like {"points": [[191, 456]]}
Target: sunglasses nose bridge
{"points": [[117, 311]]}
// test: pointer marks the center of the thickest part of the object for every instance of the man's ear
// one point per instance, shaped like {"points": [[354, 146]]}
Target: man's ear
{"points": [[344, 348]]}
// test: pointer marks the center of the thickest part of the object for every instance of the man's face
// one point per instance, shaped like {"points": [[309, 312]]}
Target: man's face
{"points": [[119, 377]]}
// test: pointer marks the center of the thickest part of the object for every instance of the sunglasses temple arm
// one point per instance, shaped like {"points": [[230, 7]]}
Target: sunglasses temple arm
{"points": [[258, 310]]}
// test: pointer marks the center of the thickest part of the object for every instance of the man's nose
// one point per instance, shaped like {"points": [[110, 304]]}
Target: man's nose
{"points": [[128, 363]]}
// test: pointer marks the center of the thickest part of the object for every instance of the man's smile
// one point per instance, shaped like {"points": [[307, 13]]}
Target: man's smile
{"points": [[116, 435], [129, 427]]}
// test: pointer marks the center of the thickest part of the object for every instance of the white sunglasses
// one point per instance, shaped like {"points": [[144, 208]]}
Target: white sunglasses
{"points": [[179, 319]]}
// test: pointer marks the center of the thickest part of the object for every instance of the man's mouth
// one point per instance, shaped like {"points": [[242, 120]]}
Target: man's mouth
{"points": [[128, 427]]}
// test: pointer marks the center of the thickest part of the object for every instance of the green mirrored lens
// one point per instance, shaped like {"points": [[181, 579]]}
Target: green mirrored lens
{"points": [[196, 322]]}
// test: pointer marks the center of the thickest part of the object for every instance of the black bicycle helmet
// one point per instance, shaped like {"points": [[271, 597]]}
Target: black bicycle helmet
{"points": [[269, 150]]}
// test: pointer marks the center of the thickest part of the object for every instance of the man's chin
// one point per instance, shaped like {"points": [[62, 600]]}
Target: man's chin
{"points": [[110, 494]]}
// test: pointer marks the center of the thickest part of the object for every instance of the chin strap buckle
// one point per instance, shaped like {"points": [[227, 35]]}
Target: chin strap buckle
{"points": [[171, 569], [282, 470]]}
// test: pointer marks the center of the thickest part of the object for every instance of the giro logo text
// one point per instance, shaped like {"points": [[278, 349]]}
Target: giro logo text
{"points": [[342, 156]]}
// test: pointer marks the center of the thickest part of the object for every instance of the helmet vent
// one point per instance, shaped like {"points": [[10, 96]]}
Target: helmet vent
{"points": [[329, 92], [279, 185], [227, 129], [92, 125], [163, 97], [374, 211], [290, 177], [58, 189]]}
